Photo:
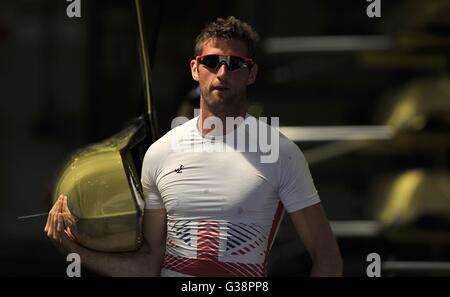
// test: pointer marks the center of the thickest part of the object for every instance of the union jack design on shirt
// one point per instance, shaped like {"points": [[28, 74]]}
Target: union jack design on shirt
{"points": [[216, 248]]}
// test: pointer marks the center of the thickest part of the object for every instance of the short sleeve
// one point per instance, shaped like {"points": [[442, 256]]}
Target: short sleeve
{"points": [[150, 190], [296, 187]]}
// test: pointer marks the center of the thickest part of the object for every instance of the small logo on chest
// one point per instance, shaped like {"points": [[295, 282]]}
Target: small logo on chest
{"points": [[178, 170]]}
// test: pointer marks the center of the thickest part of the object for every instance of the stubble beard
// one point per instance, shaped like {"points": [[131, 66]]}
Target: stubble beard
{"points": [[224, 106]]}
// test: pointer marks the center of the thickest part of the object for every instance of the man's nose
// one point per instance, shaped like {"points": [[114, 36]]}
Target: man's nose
{"points": [[222, 70]]}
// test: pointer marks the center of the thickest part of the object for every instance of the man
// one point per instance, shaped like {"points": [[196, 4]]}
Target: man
{"points": [[209, 212]]}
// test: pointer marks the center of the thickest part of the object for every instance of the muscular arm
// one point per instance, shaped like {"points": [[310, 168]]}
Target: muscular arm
{"points": [[313, 228], [145, 262]]}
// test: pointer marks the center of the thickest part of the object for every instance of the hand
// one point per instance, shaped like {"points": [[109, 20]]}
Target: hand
{"points": [[59, 224]]}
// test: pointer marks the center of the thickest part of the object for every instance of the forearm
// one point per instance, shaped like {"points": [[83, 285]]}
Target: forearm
{"points": [[147, 261], [139, 263], [327, 264]]}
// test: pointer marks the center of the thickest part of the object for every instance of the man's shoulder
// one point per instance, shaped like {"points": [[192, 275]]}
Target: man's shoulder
{"points": [[287, 145]]}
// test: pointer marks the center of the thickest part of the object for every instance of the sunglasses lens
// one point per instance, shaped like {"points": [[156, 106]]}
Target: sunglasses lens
{"points": [[232, 62], [236, 63], [211, 61]]}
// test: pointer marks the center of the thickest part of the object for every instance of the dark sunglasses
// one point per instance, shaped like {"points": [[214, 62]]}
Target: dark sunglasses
{"points": [[233, 62]]}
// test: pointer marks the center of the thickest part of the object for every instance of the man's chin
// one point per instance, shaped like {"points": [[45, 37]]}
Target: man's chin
{"points": [[220, 93], [219, 99]]}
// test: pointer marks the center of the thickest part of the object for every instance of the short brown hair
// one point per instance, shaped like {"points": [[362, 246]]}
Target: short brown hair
{"points": [[229, 28]]}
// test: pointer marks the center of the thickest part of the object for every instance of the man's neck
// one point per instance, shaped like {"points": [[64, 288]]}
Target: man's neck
{"points": [[205, 113]]}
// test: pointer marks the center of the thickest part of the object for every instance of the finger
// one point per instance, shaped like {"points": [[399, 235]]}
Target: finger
{"points": [[69, 219], [61, 216], [54, 230], [48, 223], [50, 218], [55, 219], [60, 222], [66, 209], [50, 230], [65, 205], [69, 234]]}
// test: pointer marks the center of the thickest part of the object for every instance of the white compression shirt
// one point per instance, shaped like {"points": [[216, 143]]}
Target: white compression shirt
{"points": [[223, 208]]}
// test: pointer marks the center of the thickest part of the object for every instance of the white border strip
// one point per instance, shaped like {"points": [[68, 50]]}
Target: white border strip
{"points": [[336, 133]]}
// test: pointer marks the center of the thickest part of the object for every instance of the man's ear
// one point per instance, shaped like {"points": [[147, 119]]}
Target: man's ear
{"points": [[252, 74], [194, 69]]}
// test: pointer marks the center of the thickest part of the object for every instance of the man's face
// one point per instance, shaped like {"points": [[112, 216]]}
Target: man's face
{"points": [[223, 89]]}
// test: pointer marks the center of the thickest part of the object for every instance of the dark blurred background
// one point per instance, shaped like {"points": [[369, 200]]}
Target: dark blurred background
{"points": [[66, 82]]}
